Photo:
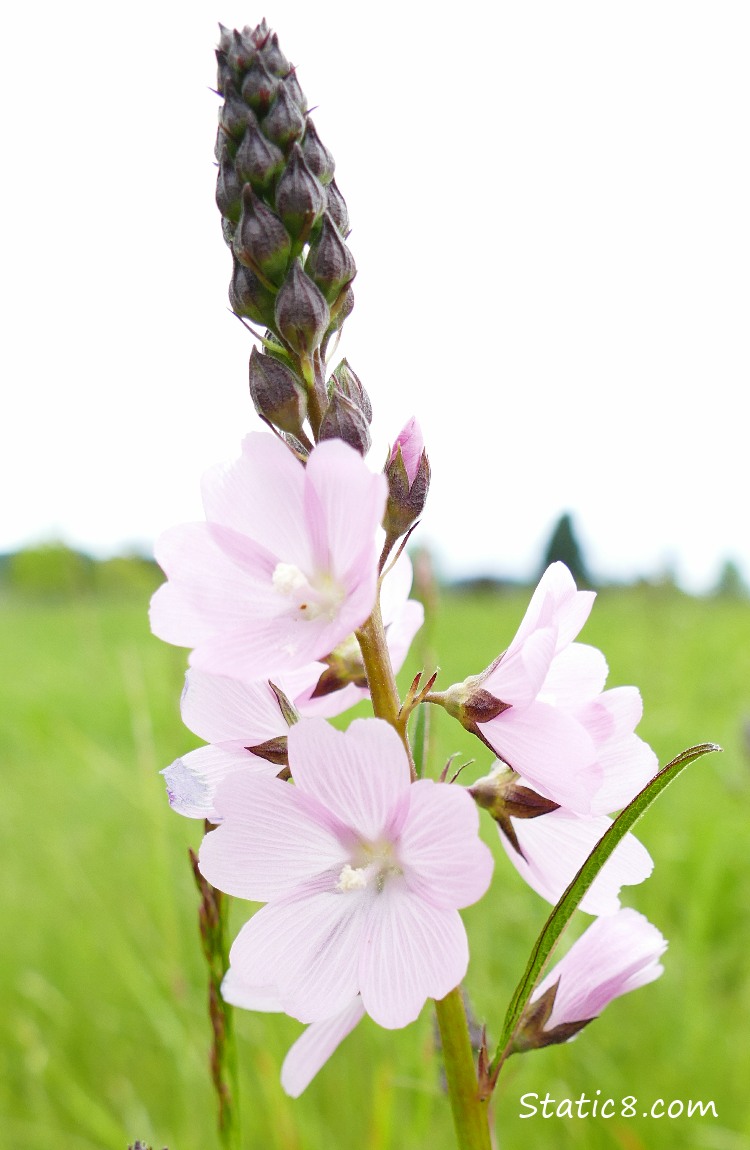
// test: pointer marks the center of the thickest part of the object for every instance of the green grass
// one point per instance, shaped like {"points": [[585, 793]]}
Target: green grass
{"points": [[103, 1025]]}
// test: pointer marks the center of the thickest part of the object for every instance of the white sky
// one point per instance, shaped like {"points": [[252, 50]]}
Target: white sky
{"points": [[550, 218]]}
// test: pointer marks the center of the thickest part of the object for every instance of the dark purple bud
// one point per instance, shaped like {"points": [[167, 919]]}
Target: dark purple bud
{"points": [[228, 189], [258, 161], [240, 53], [330, 263], [344, 420], [300, 199], [259, 86], [302, 313], [337, 208], [233, 114], [274, 59], [408, 475], [291, 83], [261, 241], [285, 123], [249, 297], [350, 385], [259, 34], [277, 393], [319, 159]]}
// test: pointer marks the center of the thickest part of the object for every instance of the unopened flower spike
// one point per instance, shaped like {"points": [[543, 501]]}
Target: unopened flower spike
{"points": [[283, 217]]}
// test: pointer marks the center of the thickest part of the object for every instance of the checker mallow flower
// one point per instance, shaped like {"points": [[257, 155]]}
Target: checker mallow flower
{"points": [[615, 955], [527, 705], [283, 569], [363, 873], [547, 843], [246, 723]]}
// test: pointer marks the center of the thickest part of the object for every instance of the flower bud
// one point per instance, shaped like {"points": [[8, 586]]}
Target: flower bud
{"points": [[319, 159], [240, 48], [233, 114], [249, 297], [616, 954], [340, 310], [301, 311], [300, 199], [344, 420], [261, 241], [350, 385], [276, 392], [273, 57], [259, 86], [284, 123], [291, 83], [330, 263], [228, 189], [257, 161], [338, 209], [408, 475]]}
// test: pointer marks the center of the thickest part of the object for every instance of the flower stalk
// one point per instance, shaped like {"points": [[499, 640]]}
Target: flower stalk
{"points": [[470, 1112], [213, 917]]}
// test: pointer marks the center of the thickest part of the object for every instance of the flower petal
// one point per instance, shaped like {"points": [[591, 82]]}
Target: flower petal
{"points": [[555, 847], [272, 837], [361, 775], [260, 495], [315, 1046], [576, 675], [520, 673], [344, 504], [193, 779], [444, 860], [551, 749], [411, 951], [228, 711], [308, 946]]}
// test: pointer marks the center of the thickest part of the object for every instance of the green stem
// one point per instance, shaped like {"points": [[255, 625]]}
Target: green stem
{"points": [[470, 1114]]}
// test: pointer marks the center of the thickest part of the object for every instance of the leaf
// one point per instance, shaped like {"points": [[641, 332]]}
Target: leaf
{"points": [[570, 899]]}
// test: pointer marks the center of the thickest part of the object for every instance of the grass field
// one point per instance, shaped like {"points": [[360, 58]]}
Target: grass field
{"points": [[103, 1029]]}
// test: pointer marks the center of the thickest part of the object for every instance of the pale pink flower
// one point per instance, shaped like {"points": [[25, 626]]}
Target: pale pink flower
{"points": [[362, 871], [238, 717], [615, 955], [540, 705], [555, 845], [284, 568]]}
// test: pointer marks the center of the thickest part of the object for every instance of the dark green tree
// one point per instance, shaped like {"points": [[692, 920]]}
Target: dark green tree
{"points": [[564, 547]]}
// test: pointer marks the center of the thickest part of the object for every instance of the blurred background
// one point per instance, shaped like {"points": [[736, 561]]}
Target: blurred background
{"points": [[549, 217]]}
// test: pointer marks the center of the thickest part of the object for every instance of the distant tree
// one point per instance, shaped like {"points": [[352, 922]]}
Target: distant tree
{"points": [[564, 547], [730, 584], [51, 569]]}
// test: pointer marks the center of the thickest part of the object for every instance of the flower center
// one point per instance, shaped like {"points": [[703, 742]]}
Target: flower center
{"points": [[374, 864], [318, 598]]}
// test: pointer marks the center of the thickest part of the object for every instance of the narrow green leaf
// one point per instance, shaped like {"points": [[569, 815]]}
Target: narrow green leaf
{"points": [[570, 899]]}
